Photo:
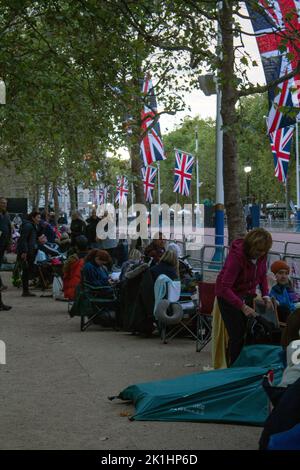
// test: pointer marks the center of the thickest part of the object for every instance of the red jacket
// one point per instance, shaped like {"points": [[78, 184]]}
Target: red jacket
{"points": [[72, 277], [240, 276]]}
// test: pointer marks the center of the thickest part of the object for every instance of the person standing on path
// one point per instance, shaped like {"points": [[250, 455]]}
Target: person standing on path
{"points": [[5, 238], [78, 227], [245, 268], [27, 249]]}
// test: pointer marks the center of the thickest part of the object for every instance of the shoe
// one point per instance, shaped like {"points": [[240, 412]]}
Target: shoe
{"points": [[28, 294], [3, 287], [5, 307]]}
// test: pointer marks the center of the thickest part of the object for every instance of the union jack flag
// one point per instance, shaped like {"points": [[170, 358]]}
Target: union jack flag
{"points": [[102, 195], [149, 175], [152, 149], [281, 141], [183, 172], [275, 26], [122, 190]]}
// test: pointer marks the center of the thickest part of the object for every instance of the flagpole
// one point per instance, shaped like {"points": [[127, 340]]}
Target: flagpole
{"points": [[297, 176], [132, 198], [158, 184], [219, 207], [197, 169]]}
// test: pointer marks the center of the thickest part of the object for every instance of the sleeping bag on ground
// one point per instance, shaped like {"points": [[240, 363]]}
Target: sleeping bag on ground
{"points": [[233, 395]]}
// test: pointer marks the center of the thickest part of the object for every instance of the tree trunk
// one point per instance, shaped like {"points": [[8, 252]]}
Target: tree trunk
{"points": [[136, 166], [233, 205], [72, 195], [46, 190], [56, 202]]}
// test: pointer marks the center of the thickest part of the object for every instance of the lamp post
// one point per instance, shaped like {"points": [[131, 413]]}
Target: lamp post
{"points": [[247, 170]]}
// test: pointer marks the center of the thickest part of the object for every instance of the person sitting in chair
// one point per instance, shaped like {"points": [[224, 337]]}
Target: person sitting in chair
{"points": [[134, 259], [72, 267], [156, 248], [96, 268], [280, 291], [168, 265]]}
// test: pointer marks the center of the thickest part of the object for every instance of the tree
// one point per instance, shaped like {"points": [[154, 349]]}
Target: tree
{"points": [[187, 28]]}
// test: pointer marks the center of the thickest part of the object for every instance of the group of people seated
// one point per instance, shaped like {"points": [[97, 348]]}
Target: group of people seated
{"points": [[94, 265]]}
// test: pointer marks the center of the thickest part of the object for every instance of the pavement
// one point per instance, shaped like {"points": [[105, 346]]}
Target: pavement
{"points": [[56, 381]]}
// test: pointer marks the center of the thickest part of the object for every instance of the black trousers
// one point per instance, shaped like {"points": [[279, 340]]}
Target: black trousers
{"points": [[27, 271], [235, 322]]}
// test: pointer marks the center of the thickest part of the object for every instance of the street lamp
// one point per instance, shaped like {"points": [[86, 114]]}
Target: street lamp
{"points": [[247, 170]]}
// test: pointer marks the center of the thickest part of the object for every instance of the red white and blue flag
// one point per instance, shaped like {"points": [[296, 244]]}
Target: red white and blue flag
{"points": [[183, 172], [102, 195], [281, 142], [149, 176], [277, 27], [122, 190], [152, 149]]}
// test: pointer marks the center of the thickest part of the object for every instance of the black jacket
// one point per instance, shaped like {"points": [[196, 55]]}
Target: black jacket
{"points": [[137, 302], [5, 229], [91, 229], [163, 268], [78, 228], [27, 242]]}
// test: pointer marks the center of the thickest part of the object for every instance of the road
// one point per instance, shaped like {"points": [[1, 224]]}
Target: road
{"points": [[55, 384]]}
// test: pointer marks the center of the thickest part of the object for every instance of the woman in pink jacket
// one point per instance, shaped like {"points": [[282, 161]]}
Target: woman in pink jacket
{"points": [[245, 268]]}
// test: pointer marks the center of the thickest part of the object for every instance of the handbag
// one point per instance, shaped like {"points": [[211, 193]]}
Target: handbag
{"points": [[264, 327]]}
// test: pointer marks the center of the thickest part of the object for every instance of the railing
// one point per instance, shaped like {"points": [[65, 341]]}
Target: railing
{"points": [[280, 225]]}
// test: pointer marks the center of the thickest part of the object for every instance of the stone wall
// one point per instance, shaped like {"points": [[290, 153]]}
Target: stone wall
{"points": [[11, 184]]}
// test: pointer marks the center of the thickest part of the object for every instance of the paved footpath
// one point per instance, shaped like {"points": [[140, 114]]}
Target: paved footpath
{"points": [[54, 387]]}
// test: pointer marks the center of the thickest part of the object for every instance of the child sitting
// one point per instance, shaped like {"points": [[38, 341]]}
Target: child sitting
{"points": [[282, 289]]}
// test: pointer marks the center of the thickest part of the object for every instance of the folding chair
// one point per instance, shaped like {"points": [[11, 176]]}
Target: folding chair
{"points": [[91, 302], [185, 313], [207, 295]]}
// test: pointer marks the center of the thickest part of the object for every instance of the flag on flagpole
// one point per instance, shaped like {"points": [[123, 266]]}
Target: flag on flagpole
{"points": [[183, 172], [122, 190], [101, 196], [275, 26], [149, 176], [281, 142], [151, 148]]}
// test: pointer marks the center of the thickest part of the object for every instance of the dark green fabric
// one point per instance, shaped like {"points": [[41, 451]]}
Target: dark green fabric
{"points": [[232, 395], [81, 305]]}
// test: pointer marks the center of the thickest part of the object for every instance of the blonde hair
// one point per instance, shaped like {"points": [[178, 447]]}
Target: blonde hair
{"points": [[135, 254], [170, 257], [257, 239]]}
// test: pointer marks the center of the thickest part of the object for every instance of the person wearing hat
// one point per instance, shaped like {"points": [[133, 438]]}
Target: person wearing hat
{"points": [[96, 268], [280, 292]]}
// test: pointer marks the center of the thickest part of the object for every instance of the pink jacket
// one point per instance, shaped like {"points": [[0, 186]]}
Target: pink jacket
{"points": [[240, 276]]}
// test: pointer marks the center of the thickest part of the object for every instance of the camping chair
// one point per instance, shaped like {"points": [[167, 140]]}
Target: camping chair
{"points": [[176, 315], [206, 292], [93, 305]]}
